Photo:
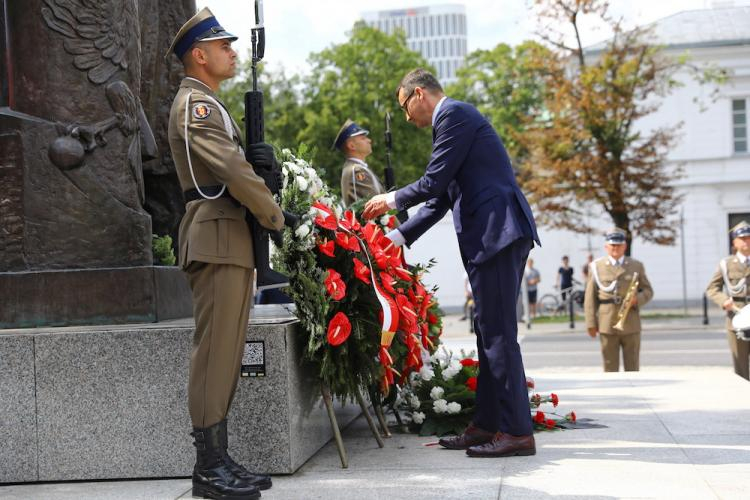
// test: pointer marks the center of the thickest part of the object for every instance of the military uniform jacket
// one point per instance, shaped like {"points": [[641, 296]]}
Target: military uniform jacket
{"points": [[215, 231], [737, 274], [603, 316], [358, 182]]}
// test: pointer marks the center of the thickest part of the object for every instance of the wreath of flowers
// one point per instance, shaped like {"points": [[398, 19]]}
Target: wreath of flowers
{"points": [[366, 315]]}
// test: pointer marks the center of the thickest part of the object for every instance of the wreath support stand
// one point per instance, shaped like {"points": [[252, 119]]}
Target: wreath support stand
{"points": [[328, 400], [381, 420], [368, 417]]}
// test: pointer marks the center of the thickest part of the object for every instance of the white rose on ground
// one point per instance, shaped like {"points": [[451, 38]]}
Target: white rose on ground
{"points": [[302, 231], [418, 417], [437, 393], [301, 182], [426, 373], [415, 403], [452, 369], [440, 406], [454, 407]]}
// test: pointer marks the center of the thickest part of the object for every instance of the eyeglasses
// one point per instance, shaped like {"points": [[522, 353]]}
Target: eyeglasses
{"points": [[405, 105]]}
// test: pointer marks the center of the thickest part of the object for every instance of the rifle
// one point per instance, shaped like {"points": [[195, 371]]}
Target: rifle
{"points": [[390, 181], [266, 278]]}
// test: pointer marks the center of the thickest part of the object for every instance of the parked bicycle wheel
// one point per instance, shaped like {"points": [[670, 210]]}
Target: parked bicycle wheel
{"points": [[548, 305]]}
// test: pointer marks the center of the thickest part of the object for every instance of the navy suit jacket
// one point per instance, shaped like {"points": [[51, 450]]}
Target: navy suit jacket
{"points": [[470, 173]]}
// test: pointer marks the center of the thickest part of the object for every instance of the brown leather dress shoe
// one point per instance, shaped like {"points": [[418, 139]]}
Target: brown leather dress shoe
{"points": [[505, 445], [472, 436]]}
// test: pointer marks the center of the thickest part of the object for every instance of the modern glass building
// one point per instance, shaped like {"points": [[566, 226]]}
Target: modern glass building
{"points": [[438, 32]]}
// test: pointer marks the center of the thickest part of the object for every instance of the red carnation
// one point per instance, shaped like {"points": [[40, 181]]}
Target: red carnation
{"points": [[529, 382], [334, 285], [554, 399], [392, 221], [361, 271], [468, 362], [432, 319], [339, 329], [539, 417], [550, 424], [571, 416], [471, 383], [327, 248]]}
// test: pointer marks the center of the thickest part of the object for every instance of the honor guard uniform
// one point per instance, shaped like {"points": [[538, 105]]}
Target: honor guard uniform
{"points": [[215, 248], [610, 277], [729, 289], [357, 180]]}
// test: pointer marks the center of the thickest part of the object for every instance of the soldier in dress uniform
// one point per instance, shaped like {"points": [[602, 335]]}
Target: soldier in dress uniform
{"points": [[609, 279], [357, 180], [215, 248], [732, 275]]}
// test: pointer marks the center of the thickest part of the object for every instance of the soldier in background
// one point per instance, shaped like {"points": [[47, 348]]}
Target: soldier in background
{"points": [[610, 278], [216, 251], [732, 275], [357, 180]]}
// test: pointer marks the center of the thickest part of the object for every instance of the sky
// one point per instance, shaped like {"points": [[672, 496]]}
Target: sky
{"points": [[295, 28]]}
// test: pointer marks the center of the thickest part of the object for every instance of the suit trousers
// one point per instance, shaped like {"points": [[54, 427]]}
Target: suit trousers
{"points": [[502, 402], [740, 352], [221, 306], [631, 348]]}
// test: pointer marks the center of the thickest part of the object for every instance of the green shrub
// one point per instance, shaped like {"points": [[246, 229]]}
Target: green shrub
{"points": [[161, 246]]}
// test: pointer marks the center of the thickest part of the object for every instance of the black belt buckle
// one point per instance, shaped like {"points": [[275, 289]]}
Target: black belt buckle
{"points": [[617, 300]]}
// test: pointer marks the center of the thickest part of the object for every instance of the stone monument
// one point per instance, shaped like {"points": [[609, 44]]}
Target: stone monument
{"points": [[74, 136]]}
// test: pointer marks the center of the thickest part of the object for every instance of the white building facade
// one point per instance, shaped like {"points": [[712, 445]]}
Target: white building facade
{"points": [[437, 32], [712, 149]]}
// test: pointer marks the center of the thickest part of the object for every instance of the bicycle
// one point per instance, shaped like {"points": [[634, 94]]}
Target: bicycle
{"points": [[553, 304]]}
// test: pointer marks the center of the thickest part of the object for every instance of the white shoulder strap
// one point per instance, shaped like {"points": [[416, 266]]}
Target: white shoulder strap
{"points": [[227, 126], [354, 182], [737, 289], [609, 288]]}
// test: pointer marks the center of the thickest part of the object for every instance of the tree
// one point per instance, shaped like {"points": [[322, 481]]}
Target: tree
{"points": [[585, 148], [357, 79], [506, 84]]}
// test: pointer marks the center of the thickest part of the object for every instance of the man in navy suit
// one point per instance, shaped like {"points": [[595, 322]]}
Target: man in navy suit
{"points": [[470, 173]]}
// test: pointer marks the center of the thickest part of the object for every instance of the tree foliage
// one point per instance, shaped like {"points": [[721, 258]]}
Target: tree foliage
{"points": [[356, 79], [585, 149]]}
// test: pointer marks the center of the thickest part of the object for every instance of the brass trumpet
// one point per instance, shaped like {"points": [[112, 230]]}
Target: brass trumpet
{"points": [[627, 302]]}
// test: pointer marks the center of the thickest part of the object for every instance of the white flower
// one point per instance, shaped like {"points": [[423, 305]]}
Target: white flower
{"points": [[415, 403], [440, 406], [311, 173], [325, 200], [437, 393], [286, 152], [300, 162], [301, 182], [452, 369], [295, 169], [417, 417], [384, 220], [426, 373], [302, 231], [339, 211], [454, 407], [426, 358]]}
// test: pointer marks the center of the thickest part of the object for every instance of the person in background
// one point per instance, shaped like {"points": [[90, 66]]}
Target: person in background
{"points": [[564, 280], [532, 278]]}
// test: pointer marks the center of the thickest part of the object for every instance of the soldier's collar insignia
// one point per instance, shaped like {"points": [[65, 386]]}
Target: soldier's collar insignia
{"points": [[201, 111]]}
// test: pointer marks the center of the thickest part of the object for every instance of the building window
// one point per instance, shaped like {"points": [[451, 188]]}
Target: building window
{"points": [[739, 124]]}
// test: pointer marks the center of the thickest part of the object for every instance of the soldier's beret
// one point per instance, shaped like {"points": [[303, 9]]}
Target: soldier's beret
{"points": [[347, 130], [200, 27], [740, 230], [615, 236]]}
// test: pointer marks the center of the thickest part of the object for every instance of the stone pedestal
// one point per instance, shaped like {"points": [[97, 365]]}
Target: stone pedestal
{"points": [[111, 402]]}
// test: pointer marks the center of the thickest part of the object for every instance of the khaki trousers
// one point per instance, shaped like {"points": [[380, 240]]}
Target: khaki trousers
{"points": [[740, 352], [221, 307], [631, 347]]}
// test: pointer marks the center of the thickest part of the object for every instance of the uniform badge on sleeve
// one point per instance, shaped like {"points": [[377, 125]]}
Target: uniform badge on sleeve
{"points": [[201, 111], [360, 176]]}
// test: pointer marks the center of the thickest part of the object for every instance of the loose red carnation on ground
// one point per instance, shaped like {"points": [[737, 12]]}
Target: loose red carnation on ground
{"points": [[554, 399], [539, 417], [529, 382], [550, 424], [571, 416]]}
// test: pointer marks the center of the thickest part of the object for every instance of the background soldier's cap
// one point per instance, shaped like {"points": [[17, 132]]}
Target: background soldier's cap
{"points": [[200, 27], [741, 229], [349, 129], [615, 236]]}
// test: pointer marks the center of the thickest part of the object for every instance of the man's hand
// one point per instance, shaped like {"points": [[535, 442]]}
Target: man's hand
{"points": [[728, 305], [592, 332], [376, 206], [290, 220], [261, 155]]}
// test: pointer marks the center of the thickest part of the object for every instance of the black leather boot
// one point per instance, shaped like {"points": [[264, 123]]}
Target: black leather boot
{"points": [[212, 477], [260, 481]]}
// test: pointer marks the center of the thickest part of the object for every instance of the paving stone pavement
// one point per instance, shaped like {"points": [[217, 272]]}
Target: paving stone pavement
{"points": [[676, 429]]}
